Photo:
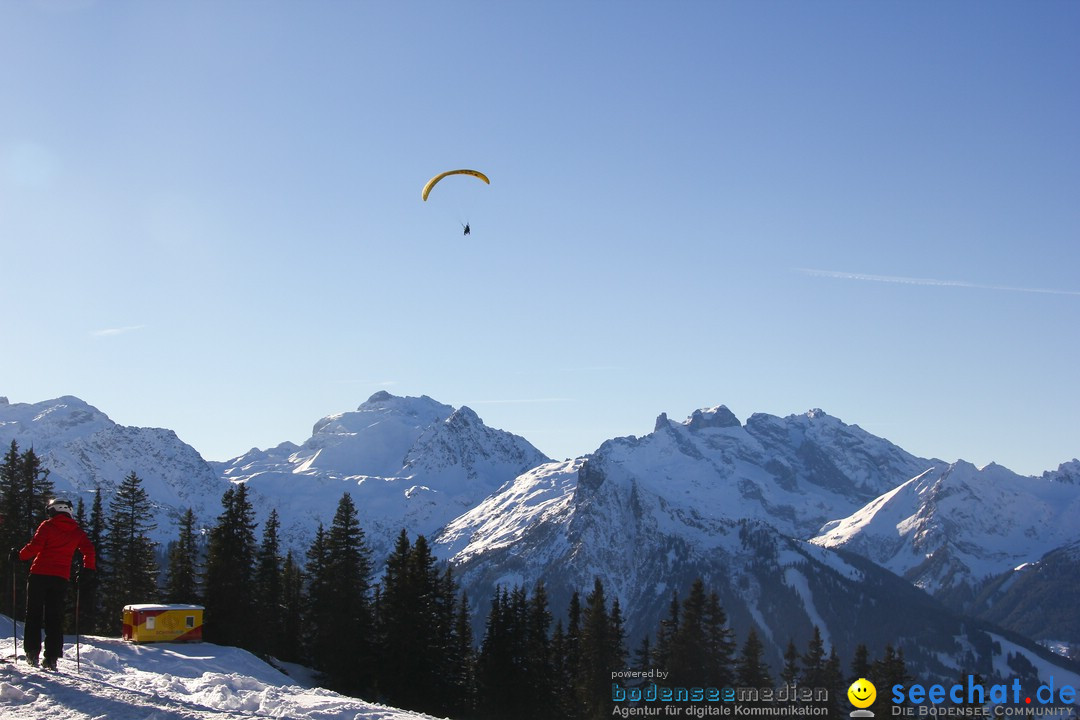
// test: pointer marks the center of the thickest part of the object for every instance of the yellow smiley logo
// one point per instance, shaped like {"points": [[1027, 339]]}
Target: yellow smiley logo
{"points": [[862, 693]]}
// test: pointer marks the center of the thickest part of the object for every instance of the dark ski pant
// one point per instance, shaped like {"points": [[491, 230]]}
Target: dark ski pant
{"points": [[44, 609]]}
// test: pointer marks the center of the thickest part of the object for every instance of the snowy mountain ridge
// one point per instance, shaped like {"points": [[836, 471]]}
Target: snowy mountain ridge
{"points": [[406, 462], [417, 463], [83, 449], [953, 526], [695, 481], [734, 503]]}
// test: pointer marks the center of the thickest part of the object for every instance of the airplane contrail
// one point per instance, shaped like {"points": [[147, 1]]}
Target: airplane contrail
{"points": [[901, 280], [112, 332]]}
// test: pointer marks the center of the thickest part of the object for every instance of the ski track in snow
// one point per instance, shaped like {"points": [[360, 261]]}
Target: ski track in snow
{"points": [[796, 580], [120, 680]]}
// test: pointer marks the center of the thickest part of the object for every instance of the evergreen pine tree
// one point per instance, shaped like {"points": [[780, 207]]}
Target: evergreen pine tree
{"points": [[498, 675], [292, 599], [601, 652], [884, 673], [750, 668], [860, 668], [9, 504], [12, 534], [269, 605], [74, 601], [573, 703], [690, 657], [463, 673], [96, 528], [319, 618], [751, 671], [790, 673], [416, 622], [860, 664], [80, 520], [25, 490], [397, 632], [11, 499], [539, 665], [521, 667], [719, 645], [665, 634], [132, 572], [565, 705], [448, 656], [349, 662], [229, 569], [643, 655], [517, 624], [813, 662], [36, 489], [182, 573], [833, 680], [618, 636], [92, 614]]}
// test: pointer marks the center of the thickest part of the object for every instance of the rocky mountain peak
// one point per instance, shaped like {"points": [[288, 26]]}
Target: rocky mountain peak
{"points": [[464, 417], [716, 417], [1068, 472], [379, 397]]}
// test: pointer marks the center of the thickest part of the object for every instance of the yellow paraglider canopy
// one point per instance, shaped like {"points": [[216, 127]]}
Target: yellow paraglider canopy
{"points": [[431, 183]]}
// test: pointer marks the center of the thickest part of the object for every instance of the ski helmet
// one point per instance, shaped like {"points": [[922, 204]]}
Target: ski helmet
{"points": [[59, 505]]}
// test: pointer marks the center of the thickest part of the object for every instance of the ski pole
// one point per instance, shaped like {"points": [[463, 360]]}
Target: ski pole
{"points": [[14, 628], [78, 589]]}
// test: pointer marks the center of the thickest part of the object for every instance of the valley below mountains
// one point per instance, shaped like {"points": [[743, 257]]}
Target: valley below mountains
{"points": [[795, 522]]}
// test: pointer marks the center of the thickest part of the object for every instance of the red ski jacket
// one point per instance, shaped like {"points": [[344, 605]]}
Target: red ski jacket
{"points": [[53, 546]]}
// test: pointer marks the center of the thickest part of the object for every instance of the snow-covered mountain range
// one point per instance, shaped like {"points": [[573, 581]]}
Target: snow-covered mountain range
{"points": [[950, 528], [781, 516], [83, 449], [706, 497], [406, 462], [735, 504]]}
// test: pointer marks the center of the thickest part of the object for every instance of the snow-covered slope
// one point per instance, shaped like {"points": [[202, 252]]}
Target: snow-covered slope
{"points": [[407, 462], [952, 527], [83, 449], [168, 681]]}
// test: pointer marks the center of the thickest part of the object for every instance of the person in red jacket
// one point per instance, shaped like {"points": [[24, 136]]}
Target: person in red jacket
{"points": [[51, 549]]}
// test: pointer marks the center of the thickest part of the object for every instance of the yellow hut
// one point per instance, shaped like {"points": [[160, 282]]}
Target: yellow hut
{"points": [[163, 623]]}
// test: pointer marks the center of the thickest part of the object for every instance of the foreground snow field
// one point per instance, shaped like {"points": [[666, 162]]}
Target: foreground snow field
{"points": [[166, 681]]}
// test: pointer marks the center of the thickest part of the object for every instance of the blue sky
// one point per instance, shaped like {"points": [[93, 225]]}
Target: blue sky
{"points": [[210, 215]]}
